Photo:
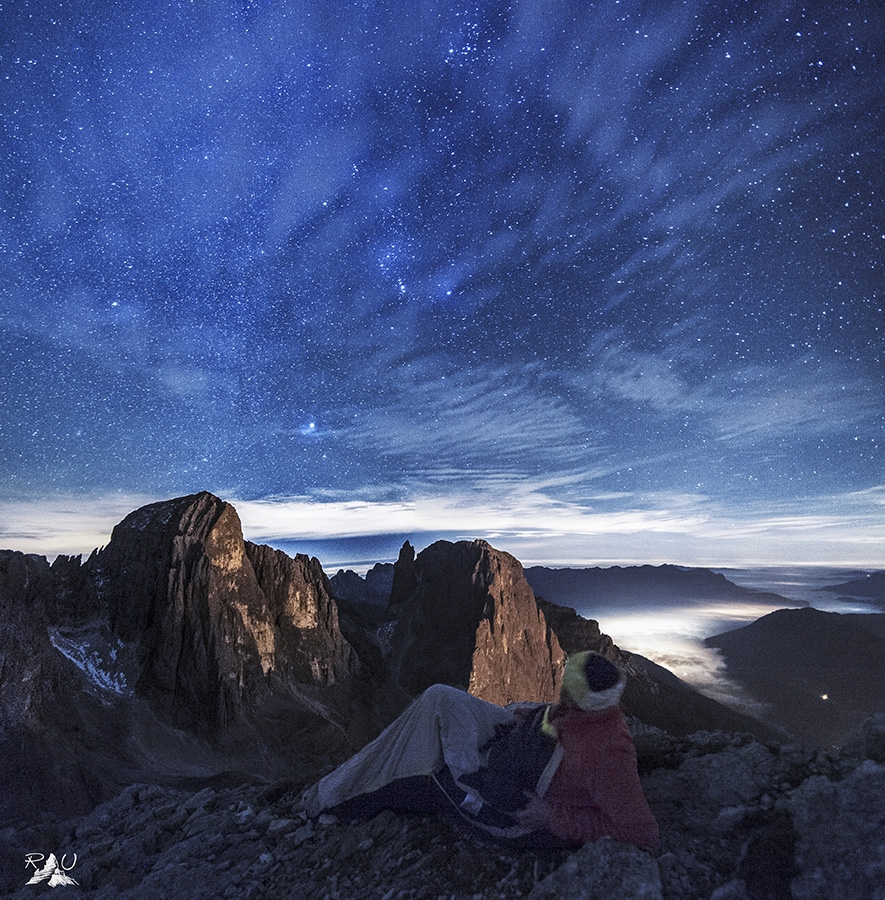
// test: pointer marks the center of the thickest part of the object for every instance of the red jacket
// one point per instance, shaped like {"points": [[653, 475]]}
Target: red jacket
{"points": [[596, 789]]}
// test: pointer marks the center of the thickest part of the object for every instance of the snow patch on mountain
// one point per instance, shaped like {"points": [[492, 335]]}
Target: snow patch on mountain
{"points": [[97, 653]]}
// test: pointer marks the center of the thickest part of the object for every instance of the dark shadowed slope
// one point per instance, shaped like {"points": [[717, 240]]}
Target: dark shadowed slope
{"points": [[822, 672], [638, 586], [870, 587]]}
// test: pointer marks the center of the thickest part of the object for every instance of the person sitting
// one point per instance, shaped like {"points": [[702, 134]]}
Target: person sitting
{"points": [[530, 774]]}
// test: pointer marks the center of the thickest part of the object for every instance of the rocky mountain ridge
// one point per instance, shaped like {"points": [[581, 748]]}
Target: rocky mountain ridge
{"points": [[368, 597], [164, 702], [471, 621], [739, 821], [638, 586], [196, 651]]}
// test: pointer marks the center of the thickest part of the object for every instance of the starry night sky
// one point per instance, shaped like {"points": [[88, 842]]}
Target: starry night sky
{"points": [[594, 280]]}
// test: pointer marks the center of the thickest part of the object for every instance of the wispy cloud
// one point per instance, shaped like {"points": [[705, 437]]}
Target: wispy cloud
{"points": [[64, 525], [494, 419], [622, 373], [535, 527], [741, 405], [478, 513], [761, 401], [517, 516]]}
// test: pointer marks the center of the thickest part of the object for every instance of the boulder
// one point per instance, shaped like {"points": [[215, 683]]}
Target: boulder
{"points": [[840, 824], [603, 870]]}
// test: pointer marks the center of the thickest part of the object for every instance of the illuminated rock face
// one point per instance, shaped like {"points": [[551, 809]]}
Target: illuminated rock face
{"points": [[173, 580], [471, 620], [308, 647], [217, 621], [177, 649]]}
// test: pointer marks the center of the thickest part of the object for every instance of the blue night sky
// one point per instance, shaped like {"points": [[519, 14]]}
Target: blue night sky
{"points": [[593, 280]]}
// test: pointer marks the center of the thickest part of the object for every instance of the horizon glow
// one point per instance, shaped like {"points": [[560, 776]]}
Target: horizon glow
{"points": [[558, 535]]}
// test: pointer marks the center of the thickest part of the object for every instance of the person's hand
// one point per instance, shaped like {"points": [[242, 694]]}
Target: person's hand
{"points": [[535, 814]]}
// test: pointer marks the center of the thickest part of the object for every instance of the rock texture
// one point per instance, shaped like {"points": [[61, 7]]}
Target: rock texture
{"points": [[26, 592], [471, 620], [739, 820], [177, 649], [217, 623], [600, 871], [175, 580], [306, 640]]}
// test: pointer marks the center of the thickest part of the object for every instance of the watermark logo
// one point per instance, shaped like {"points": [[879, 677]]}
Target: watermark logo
{"points": [[51, 870]]}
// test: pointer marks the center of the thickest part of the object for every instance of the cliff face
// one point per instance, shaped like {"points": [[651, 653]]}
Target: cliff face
{"points": [[26, 589], [175, 580], [466, 616], [175, 641], [366, 598], [306, 641], [216, 622]]}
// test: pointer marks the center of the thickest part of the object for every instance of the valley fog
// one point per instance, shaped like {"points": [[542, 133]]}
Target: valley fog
{"points": [[672, 633]]}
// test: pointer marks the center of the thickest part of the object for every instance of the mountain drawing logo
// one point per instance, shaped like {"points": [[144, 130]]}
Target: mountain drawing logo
{"points": [[52, 870]]}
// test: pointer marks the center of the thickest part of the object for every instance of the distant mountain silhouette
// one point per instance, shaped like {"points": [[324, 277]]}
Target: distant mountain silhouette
{"points": [[640, 586], [870, 587], [365, 598], [822, 672]]}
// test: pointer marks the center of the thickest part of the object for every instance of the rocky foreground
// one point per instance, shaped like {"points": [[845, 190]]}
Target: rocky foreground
{"points": [[165, 702], [739, 820]]}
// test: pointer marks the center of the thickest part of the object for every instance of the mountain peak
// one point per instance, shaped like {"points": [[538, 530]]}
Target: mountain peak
{"points": [[470, 619]]}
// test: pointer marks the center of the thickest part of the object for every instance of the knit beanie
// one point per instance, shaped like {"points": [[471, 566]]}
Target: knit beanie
{"points": [[592, 681]]}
